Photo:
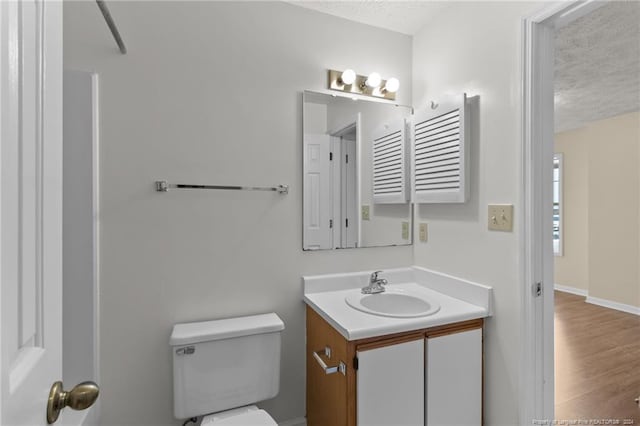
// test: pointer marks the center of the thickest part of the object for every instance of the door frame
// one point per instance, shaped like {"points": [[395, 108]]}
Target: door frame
{"points": [[353, 123], [536, 245], [91, 415]]}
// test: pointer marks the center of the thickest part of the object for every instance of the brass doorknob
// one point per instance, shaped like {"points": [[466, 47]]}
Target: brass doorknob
{"points": [[81, 397]]}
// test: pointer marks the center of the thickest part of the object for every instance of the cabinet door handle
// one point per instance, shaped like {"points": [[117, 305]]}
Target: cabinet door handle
{"points": [[341, 367]]}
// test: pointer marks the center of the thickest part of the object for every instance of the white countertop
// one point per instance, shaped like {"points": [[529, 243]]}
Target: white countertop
{"points": [[459, 300]]}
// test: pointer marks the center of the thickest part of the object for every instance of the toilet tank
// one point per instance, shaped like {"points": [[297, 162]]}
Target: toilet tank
{"points": [[224, 364]]}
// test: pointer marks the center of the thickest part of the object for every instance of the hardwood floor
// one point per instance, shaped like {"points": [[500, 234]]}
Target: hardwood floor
{"points": [[597, 362]]}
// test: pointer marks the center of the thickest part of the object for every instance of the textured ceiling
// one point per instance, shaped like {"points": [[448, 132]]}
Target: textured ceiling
{"points": [[406, 17], [597, 61]]}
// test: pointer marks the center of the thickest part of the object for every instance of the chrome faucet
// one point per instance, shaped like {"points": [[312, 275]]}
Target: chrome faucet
{"points": [[375, 284]]}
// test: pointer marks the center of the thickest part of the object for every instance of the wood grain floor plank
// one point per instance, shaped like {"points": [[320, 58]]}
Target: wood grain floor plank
{"points": [[597, 361]]}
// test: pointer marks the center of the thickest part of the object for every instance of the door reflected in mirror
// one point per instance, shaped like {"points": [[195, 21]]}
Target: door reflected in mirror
{"points": [[355, 167]]}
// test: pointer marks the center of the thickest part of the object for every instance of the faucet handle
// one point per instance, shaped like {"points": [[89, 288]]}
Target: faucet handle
{"points": [[374, 275]]}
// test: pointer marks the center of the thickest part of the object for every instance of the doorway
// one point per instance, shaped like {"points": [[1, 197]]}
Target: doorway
{"points": [[345, 191], [538, 217], [597, 138]]}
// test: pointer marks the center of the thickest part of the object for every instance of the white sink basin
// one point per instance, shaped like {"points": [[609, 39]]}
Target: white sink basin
{"points": [[396, 303]]}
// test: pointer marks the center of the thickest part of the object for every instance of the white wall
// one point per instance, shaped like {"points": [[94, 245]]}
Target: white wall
{"points": [[476, 48], [210, 92]]}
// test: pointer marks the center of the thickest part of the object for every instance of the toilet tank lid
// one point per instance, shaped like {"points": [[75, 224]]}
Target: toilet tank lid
{"points": [[206, 331]]}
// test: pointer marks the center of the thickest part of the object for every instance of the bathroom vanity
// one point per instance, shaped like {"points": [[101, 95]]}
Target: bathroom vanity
{"points": [[385, 363]]}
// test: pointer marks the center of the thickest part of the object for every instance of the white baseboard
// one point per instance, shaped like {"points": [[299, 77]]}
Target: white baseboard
{"points": [[630, 309], [300, 421], [572, 290]]}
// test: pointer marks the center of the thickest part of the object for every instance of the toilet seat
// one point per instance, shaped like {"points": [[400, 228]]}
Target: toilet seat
{"points": [[244, 416]]}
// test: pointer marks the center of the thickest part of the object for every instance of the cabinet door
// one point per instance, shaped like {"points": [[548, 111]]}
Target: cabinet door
{"points": [[454, 379], [390, 385]]}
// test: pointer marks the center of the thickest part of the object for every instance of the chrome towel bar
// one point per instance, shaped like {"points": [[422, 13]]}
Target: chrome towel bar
{"points": [[164, 186], [112, 26], [341, 367]]}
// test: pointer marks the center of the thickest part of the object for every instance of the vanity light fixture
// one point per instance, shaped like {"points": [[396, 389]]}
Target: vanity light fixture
{"points": [[392, 86], [373, 80], [348, 77], [348, 81]]}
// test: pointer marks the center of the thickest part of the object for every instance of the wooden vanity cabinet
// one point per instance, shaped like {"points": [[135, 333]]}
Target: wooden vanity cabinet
{"points": [[328, 401], [384, 378]]}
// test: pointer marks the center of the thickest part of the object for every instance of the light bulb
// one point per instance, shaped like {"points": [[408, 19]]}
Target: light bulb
{"points": [[348, 76], [373, 80], [392, 85]]}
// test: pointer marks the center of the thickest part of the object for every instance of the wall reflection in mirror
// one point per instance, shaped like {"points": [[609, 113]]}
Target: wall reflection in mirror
{"points": [[355, 167]]}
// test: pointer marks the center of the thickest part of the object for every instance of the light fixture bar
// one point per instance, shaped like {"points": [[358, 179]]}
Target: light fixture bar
{"points": [[359, 87]]}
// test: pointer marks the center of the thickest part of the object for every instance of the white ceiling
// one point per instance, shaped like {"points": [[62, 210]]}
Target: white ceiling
{"points": [[597, 63], [597, 56], [402, 16]]}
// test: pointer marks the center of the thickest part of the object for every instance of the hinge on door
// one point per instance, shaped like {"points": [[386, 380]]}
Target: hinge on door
{"points": [[346, 223], [537, 289], [331, 156], [330, 223], [346, 159], [355, 362]]}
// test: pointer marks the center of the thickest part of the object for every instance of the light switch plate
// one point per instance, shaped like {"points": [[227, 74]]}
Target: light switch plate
{"points": [[500, 217], [423, 232], [365, 212], [405, 230]]}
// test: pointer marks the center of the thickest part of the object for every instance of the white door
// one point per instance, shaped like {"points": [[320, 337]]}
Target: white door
{"points": [[344, 192], [454, 379], [30, 208], [349, 197], [390, 385], [317, 232]]}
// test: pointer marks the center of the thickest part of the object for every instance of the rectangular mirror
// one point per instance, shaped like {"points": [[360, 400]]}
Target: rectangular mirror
{"points": [[356, 173]]}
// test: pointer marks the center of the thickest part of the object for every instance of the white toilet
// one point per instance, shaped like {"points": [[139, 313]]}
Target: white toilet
{"points": [[221, 367]]}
